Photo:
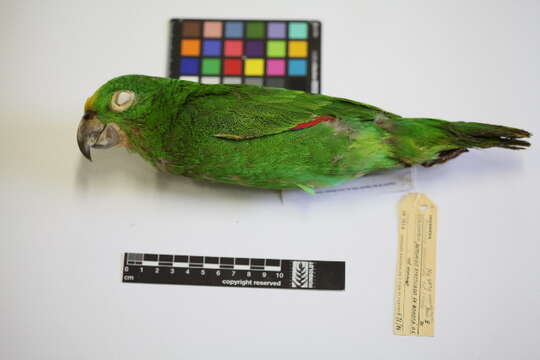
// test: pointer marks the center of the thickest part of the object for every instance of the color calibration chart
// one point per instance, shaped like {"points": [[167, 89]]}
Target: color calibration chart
{"points": [[284, 54]]}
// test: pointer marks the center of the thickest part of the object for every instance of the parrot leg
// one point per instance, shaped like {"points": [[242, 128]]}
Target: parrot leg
{"points": [[444, 156]]}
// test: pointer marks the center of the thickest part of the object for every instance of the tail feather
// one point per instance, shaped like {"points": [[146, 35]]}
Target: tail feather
{"points": [[432, 141], [485, 136]]}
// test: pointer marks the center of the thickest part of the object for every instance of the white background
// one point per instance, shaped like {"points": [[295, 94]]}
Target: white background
{"points": [[65, 222]]}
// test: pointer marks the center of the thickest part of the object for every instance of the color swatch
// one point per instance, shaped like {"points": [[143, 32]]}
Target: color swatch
{"points": [[277, 53]]}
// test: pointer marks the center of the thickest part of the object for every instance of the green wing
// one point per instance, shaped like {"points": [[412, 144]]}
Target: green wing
{"points": [[241, 112]]}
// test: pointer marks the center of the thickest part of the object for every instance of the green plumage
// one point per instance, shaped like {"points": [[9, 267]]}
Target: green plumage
{"points": [[241, 134]]}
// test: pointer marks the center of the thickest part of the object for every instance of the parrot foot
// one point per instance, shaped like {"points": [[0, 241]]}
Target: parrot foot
{"points": [[444, 156]]}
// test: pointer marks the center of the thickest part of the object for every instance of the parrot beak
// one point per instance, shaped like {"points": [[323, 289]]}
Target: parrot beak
{"points": [[92, 133]]}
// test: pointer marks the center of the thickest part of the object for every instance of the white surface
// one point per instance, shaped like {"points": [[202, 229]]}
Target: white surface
{"points": [[65, 222]]}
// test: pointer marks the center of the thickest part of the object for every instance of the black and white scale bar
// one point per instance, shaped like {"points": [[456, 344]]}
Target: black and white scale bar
{"points": [[203, 262], [233, 272]]}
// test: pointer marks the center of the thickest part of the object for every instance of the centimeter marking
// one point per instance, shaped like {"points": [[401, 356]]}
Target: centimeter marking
{"points": [[204, 262], [235, 272]]}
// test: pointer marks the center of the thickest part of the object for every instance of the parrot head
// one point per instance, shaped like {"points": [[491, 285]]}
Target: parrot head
{"points": [[114, 110]]}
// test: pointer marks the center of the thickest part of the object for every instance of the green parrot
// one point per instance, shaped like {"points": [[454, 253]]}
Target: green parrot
{"points": [[267, 137]]}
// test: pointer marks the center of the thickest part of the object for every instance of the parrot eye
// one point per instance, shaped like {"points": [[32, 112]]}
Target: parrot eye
{"points": [[121, 100]]}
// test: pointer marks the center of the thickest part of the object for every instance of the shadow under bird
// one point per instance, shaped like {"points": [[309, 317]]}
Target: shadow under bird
{"points": [[269, 138]]}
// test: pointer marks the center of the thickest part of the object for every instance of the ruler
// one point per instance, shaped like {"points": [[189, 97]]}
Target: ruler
{"points": [[414, 302], [233, 272]]}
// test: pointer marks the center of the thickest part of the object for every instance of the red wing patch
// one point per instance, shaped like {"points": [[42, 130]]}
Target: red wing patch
{"points": [[318, 119]]}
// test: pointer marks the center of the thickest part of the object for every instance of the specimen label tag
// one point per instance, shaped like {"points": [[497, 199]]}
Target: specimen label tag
{"points": [[383, 182], [414, 303], [233, 272]]}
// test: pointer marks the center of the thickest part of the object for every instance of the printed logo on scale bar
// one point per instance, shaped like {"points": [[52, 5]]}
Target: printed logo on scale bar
{"points": [[302, 274]]}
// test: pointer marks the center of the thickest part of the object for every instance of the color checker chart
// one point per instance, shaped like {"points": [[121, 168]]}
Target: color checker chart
{"points": [[277, 53]]}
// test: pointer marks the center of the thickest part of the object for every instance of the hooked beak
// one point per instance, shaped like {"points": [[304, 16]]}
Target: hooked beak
{"points": [[92, 133]]}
